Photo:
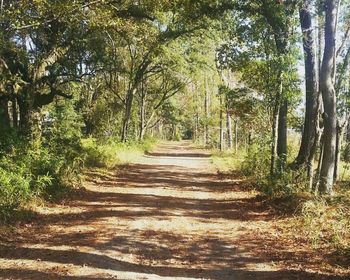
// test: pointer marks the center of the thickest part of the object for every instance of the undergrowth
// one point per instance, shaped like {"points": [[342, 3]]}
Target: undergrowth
{"points": [[227, 161], [324, 220], [52, 167]]}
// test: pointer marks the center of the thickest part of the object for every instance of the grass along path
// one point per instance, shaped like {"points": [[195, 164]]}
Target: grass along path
{"points": [[168, 215]]}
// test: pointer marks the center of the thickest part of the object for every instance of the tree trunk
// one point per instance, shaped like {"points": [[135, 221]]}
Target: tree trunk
{"points": [[275, 126], [4, 115], [221, 125], [318, 171], [196, 127], [282, 135], [236, 136], [329, 100], [23, 117], [206, 107], [274, 139], [340, 135], [229, 130], [142, 116], [306, 154], [14, 114], [127, 113]]}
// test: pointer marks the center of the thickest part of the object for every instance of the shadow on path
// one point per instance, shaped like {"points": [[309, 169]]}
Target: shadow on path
{"points": [[153, 218]]}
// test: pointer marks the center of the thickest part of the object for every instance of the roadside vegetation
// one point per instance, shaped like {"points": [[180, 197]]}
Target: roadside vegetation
{"points": [[94, 84], [324, 221]]}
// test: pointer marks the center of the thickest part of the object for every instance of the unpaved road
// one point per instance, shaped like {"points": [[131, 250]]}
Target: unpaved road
{"points": [[167, 216]]}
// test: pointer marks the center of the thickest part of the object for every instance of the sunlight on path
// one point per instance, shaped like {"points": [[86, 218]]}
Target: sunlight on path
{"points": [[168, 215]]}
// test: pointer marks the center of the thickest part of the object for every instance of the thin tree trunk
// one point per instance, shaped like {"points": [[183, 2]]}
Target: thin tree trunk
{"points": [[282, 135], [221, 125], [318, 171], [142, 113], [196, 127], [329, 100], [14, 114], [127, 113], [274, 139], [236, 136], [275, 126], [340, 136], [229, 130], [142, 123], [206, 106]]}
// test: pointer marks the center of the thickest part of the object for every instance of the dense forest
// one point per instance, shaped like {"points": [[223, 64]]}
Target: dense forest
{"points": [[263, 84]]}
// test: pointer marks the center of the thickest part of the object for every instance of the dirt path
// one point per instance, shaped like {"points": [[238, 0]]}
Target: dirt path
{"points": [[167, 216]]}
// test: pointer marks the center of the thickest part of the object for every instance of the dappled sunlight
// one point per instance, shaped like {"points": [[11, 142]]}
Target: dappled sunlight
{"points": [[155, 221]]}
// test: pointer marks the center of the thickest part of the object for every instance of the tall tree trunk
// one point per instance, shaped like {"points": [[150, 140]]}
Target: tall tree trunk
{"points": [[127, 113], [142, 122], [236, 136], [14, 114], [274, 139], [229, 130], [275, 126], [306, 152], [319, 165], [329, 100], [282, 135], [207, 113], [221, 125], [196, 127], [340, 136], [142, 113]]}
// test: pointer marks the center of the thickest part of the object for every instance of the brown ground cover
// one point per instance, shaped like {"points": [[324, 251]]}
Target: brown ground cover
{"points": [[169, 215]]}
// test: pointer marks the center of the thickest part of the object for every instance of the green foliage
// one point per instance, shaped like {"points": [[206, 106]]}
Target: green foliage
{"points": [[100, 155], [227, 161], [14, 189], [110, 154], [284, 183], [257, 162]]}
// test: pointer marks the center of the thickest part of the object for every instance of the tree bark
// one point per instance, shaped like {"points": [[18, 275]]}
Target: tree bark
{"points": [[221, 125], [142, 113], [127, 113], [340, 136], [274, 139], [229, 130], [14, 114], [206, 107], [282, 135], [275, 126], [329, 100], [306, 152], [236, 136]]}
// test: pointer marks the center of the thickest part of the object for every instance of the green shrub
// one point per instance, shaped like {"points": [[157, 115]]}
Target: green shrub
{"points": [[257, 162], [110, 154], [100, 155], [287, 182], [14, 189]]}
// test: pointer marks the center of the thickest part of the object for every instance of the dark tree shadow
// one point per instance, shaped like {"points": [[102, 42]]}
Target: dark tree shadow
{"points": [[207, 256]]}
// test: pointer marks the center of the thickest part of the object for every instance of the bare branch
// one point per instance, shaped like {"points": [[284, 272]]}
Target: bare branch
{"points": [[346, 36]]}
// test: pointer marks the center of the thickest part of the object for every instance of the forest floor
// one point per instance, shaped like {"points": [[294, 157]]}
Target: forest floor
{"points": [[168, 215]]}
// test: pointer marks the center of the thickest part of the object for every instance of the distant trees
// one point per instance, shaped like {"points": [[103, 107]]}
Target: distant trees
{"points": [[132, 69]]}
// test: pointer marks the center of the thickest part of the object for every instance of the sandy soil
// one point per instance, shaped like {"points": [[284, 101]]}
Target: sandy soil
{"points": [[169, 215]]}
